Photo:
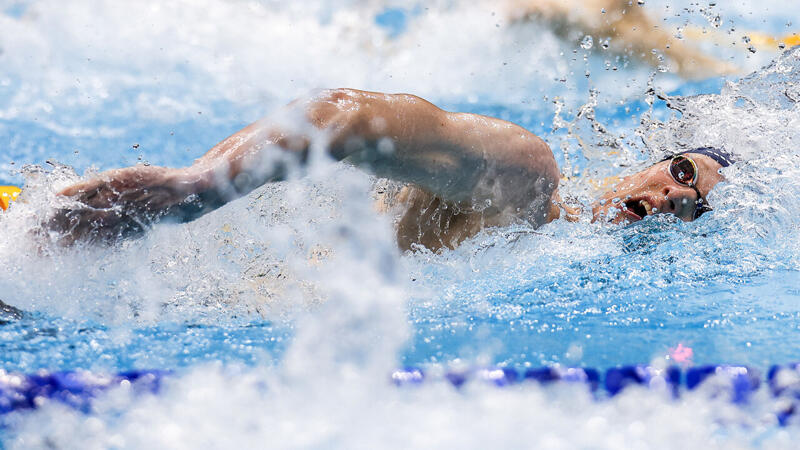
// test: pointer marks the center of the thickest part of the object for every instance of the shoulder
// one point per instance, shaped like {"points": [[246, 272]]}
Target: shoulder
{"points": [[506, 146]]}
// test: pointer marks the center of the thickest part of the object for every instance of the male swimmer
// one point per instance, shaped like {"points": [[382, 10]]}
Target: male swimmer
{"points": [[464, 172], [627, 28]]}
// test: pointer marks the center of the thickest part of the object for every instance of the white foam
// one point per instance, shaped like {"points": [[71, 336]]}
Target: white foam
{"points": [[70, 63], [212, 407]]}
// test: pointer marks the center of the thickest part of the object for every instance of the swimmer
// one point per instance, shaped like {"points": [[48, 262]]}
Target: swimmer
{"points": [[463, 172], [629, 29]]}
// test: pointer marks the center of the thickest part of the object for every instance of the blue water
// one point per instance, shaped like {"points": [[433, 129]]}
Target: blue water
{"points": [[269, 344]]}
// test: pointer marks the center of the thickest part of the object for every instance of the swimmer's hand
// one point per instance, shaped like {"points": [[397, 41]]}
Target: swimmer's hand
{"points": [[120, 203], [571, 213]]}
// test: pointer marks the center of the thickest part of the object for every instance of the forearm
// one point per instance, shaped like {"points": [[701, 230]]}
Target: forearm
{"points": [[464, 159], [258, 154], [398, 136]]}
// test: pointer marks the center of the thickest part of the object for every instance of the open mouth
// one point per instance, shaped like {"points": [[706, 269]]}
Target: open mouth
{"points": [[638, 209]]}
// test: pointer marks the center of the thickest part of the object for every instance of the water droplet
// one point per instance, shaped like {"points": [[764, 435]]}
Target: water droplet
{"points": [[752, 49], [640, 2], [587, 42], [781, 46]]}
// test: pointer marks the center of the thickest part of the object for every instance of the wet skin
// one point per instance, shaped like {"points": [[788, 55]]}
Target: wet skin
{"points": [[464, 172], [655, 191]]}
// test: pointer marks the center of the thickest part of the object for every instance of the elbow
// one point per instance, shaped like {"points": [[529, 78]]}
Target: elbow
{"points": [[325, 107]]}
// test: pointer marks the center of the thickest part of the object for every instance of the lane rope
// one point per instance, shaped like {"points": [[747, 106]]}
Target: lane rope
{"points": [[20, 392], [8, 194]]}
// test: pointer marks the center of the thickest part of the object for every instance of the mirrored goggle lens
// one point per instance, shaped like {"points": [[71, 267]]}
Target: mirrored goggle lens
{"points": [[683, 170]]}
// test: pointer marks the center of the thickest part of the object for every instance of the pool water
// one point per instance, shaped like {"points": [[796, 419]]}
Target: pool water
{"points": [[281, 315]]}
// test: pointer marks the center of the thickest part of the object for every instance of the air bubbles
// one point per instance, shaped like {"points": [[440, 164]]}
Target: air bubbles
{"points": [[587, 42], [386, 146]]}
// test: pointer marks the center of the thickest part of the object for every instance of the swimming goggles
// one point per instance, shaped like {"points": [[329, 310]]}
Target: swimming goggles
{"points": [[684, 171]]}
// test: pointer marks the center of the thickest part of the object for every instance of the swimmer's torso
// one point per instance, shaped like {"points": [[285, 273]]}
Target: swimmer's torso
{"points": [[422, 219]]}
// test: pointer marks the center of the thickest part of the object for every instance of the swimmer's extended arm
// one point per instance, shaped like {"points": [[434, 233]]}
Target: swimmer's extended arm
{"points": [[466, 159], [462, 158]]}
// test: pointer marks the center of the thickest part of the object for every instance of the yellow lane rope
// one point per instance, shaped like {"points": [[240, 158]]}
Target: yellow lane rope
{"points": [[8, 194]]}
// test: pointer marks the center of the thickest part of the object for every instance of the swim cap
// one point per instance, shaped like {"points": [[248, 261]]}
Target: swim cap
{"points": [[7, 195], [721, 156]]}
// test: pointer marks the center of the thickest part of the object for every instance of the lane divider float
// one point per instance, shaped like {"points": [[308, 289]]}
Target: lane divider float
{"points": [[77, 389], [8, 194]]}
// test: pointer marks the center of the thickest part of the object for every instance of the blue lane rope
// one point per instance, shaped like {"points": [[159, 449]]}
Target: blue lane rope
{"points": [[75, 389], [78, 388]]}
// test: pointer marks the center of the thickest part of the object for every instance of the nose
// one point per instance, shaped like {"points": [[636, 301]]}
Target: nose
{"points": [[679, 201]]}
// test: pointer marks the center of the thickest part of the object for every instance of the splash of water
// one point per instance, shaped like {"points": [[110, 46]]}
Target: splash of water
{"points": [[311, 251]]}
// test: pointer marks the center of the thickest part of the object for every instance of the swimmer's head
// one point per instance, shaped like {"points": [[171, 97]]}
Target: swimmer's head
{"points": [[678, 185]]}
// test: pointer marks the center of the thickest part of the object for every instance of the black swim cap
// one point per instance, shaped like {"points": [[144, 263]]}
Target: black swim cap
{"points": [[717, 154]]}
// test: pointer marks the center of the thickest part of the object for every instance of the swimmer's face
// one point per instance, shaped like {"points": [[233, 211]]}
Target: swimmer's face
{"points": [[655, 191]]}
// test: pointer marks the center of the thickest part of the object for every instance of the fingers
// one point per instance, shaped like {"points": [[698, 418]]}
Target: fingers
{"points": [[118, 180], [571, 210], [101, 226], [572, 213], [110, 187], [114, 205]]}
